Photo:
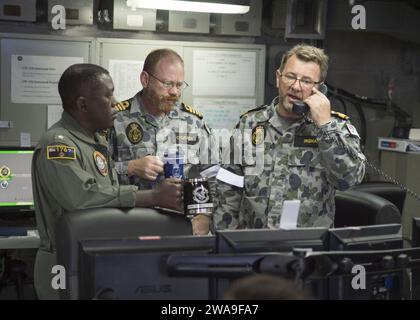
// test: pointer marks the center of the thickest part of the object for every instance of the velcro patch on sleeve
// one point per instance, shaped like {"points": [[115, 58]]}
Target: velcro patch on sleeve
{"points": [[61, 152]]}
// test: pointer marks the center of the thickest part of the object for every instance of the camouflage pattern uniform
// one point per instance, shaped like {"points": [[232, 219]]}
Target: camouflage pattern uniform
{"points": [[283, 160], [137, 134]]}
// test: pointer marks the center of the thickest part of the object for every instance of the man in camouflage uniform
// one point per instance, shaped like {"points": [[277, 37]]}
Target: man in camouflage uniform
{"points": [[154, 122], [71, 169], [284, 155]]}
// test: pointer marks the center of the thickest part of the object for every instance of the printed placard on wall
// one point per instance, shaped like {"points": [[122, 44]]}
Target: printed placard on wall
{"points": [[126, 77], [223, 113], [34, 79], [224, 73]]}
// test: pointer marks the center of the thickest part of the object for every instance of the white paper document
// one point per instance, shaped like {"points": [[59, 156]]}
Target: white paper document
{"points": [[25, 139], [230, 178], [414, 134], [126, 77], [54, 113], [224, 73], [34, 79], [290, 214], [223, 113], [210, 172]]}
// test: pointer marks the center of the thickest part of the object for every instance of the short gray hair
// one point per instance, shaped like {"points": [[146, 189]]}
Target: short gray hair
{"points": [[308, 53]]}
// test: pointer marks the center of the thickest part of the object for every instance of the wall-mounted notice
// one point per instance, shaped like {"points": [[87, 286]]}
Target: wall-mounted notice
{"points": [[34, 79], [54, 113], [126, 77], [25, 139], [223, 113], [224, 73]]}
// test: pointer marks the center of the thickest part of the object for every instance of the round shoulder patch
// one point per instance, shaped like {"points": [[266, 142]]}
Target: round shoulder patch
{"points": [[134, 132], [258, 135], [5, 172], [101, 163]]}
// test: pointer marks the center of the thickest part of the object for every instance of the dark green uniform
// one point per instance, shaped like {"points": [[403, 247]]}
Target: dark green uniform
{"points": [[70, 171]]}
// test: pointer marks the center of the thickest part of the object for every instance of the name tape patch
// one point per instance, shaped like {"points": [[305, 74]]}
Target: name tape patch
{"points": [[61, 152]]}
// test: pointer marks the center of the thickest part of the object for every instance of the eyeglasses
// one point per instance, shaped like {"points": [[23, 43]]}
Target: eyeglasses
{"points": [[170, 84], [290, 80]]}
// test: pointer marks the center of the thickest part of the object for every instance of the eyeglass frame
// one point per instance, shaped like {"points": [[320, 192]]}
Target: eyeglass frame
{"points": [[170, 84], [300, 80]]}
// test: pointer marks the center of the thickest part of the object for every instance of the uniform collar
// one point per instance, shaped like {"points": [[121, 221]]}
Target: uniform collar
{"points": [[275, 118], [75, 129]]}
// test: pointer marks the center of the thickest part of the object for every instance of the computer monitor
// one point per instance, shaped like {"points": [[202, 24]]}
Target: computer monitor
{"points": [[415, 242], [136, 269], [373, 237], [269, 240], [16, 199], [379, 285], [415, 275]]}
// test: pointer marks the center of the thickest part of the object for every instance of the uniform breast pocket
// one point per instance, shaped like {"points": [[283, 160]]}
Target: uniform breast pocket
{"points": [[140, 152], [305, 171], [133, 152], [256, 181]]}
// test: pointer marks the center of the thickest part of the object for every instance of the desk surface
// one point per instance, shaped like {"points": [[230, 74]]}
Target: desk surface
{"points": [[21, 242]]}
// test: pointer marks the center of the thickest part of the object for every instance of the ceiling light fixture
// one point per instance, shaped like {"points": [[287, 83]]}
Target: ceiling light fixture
{"points": [[215, 6]]}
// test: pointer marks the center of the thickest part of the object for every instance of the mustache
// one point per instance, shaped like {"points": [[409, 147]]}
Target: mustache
{"points": [[171, 98]]}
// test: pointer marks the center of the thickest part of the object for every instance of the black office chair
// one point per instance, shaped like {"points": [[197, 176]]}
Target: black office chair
{"points": [[387, 190], [358, 208], [102, 223]]}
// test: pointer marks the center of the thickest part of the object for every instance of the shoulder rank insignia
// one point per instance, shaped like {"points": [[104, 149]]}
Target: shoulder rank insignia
{"points": [[340, 115], [61, 152], [123, 105], [258, 135], [134, 132], [253, 110], [192, 110]]}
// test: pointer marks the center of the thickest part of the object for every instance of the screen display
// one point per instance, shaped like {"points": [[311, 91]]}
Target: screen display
{"points": [[15, 178], [136, 269], [384, 285]]}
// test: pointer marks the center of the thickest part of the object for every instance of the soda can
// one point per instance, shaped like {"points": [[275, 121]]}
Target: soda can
{"points": [[197, 197], [173, 165]]}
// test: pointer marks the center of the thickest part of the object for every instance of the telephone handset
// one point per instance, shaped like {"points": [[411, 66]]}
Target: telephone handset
{"points": [[301, 107]]}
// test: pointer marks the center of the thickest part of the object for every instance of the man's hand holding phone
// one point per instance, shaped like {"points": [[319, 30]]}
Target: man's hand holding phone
{"points": [[319, 106]]}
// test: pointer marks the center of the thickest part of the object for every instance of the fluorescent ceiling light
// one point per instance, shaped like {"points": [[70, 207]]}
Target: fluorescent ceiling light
{"points": [[191, 6]]}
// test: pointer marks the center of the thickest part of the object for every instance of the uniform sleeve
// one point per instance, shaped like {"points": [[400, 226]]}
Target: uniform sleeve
{"points": [[75, 188], [120, 166], [339, 144], [227, 212]]}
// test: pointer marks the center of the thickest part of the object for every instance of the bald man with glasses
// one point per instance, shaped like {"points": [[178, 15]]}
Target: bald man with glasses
{"points": [[155, 122]]}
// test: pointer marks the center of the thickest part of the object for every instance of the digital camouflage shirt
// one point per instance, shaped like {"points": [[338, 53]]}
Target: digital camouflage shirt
{"points": [[283, 160], [137, 134]]}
